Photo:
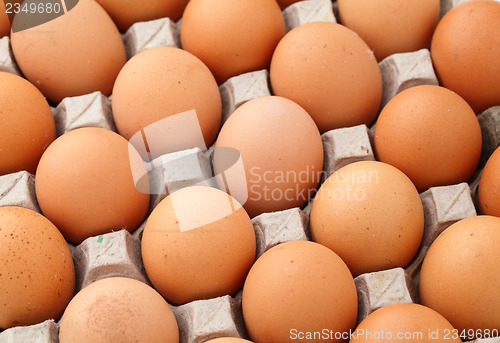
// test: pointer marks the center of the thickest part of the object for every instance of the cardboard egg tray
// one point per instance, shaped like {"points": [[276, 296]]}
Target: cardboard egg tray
{"points": [[119, 253]]}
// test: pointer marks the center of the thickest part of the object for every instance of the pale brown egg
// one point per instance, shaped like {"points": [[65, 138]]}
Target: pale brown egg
{"points": [[298, 287], [488, 192], [405, 323], [460, 276], [330, 71], [465, 49], [37, 278], [431, 134], [152, 91], [285, 3], [116, 310], [126, 13], [281, 151], [77, 53], [370, 214], [4, 21], [27, 125], [85, 184], [228, 340], [232, 37], [391, 26], [198, 243]]}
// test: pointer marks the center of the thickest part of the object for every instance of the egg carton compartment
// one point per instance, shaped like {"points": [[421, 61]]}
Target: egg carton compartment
{"points": [[118, 253], [18, 189], [90, 110], [46, 332], [308, 11], [151, 34], [202, 320], [7, 62]]}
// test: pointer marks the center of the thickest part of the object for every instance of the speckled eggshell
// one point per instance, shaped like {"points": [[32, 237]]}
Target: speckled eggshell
{"points": [[297, 287], [37, 278], [118, 309], [85, 186], [431, 134], [405, 323], [465, 49], [488, 192], [370, 214], [77, 53], [27, 125], [232, 37], [331, 72], [281, 151], [460, 275], [126, 13], [198, 243], [391, 26]]}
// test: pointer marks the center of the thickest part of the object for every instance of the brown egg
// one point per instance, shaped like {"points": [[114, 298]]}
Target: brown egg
{"points": [[161, 83], [4, 21], [465, 49], [299, 287], [488, 192], [405, 323], [37, 278], [329, 71], [74, 54], [391, 26], [228, 340], [27, 127], [116, 310], [460, 276], [431, 134], [232, 37], [285, 3], [370, 214], [198, 243], [126, 13], [84, 184], [281, 151]]}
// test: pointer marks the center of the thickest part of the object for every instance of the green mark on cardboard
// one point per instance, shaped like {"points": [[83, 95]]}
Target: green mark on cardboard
{"points": [[99, 239]]}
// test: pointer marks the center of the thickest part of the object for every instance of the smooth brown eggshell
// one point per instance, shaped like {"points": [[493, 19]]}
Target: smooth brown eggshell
{"points": [[285, 3], [77, 53], [37, 278], [232, 37], [405, 323], [488, 192], [126, 13], [198, 243], [298, 285], [370, 214], [118, 309], [4, 21], [159, 83], [460, 275], [281, 151], [228, 340], [330, 71], [465, 49], [27, 125], [391, 26], [431, 134], [85, 186]]}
